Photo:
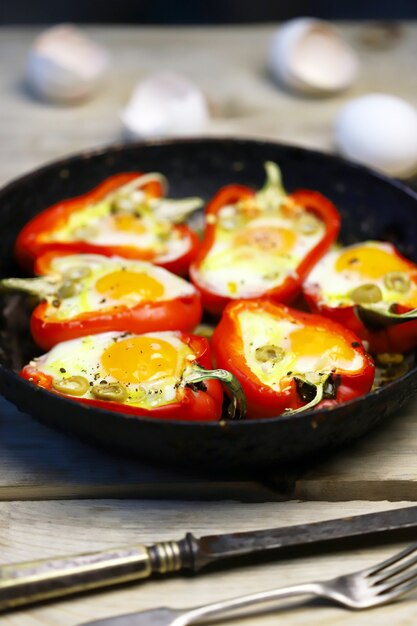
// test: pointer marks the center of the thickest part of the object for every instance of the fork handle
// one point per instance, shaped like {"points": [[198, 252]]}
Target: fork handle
{"points": [[217, 608]]}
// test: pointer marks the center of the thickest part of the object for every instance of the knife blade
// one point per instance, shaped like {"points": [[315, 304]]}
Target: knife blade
{"points": [[29, 582]]}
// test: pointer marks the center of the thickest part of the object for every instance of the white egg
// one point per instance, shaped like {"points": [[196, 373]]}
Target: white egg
{"points": [[379, 130], [64, 65], [165, 104], [311, 56]]}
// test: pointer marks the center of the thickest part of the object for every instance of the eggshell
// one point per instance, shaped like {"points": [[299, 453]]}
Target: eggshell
{"points": [[310, 56], [165, 104], [65, 66], [379, 130]]}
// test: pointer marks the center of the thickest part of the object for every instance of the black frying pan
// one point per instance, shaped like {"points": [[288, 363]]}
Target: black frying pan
{"points": [[372, 206]]}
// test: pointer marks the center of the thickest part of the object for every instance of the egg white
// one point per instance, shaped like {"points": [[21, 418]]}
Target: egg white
{"points": [[89, 299], [81, 357], [248, 271]]}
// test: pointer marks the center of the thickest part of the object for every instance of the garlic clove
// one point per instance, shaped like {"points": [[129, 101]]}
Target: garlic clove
{"points": [[165, 104], [310, 56], [379, 130], [65, 66]]}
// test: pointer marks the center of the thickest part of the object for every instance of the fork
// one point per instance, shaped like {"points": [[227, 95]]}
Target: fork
{"points": [[364, 589]]}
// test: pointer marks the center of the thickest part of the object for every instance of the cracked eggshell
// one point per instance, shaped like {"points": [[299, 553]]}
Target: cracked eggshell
{"points": [[311, 56], [65, 66], [165, 105], [379, 130]]}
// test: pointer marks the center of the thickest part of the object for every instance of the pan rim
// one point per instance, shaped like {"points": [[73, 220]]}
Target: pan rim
{"points": [[115, 148]]}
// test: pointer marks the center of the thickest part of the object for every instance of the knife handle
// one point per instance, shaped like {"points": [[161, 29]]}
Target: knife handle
{"points": [[34, 581]]}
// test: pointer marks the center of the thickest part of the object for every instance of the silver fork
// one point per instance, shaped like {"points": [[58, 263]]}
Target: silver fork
{"points": [[367, 588]]}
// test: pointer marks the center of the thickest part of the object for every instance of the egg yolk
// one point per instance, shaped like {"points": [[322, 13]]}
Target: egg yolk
{"points": [[123, 283], [140, 359], [370, 262], [311, 341], [129, 223], [279, 240]]}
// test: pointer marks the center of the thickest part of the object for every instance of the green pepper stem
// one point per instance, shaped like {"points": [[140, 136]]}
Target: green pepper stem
{"points": [[237, 407], [272, 192], [175, 211], [377, 317], [204, 330], [319, 387], [140, 181], [41, 286], [273, 180]]}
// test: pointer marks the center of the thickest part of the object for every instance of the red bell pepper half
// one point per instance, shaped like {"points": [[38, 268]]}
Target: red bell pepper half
{"points": [[126, 215], [371, 289], [261, 244], [288, 361], [84, 294], [163, 375]]}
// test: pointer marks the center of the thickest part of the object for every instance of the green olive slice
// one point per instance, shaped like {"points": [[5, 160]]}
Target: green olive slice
{"points": [[121, 204], [397, 281], [389, 358], [127, 205], [366, 294], [77, 272], [85, 232], [308, 224], [269, 352], [113, 392], [230, 219], [72, 386], [229, 223], [67, 289]]}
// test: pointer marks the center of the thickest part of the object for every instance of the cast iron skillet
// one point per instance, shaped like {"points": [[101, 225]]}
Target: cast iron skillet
{"points": [[372, 206]]}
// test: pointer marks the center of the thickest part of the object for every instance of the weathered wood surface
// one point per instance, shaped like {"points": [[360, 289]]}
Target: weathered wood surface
{"points": [[39, 463], [228, 63], [41, 529]]}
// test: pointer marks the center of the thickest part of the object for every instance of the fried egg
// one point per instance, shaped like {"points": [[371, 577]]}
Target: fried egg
{"points": [[129, 218], [281, 348], [146, 370], [342, 270], [91, 282], [255, 250]]}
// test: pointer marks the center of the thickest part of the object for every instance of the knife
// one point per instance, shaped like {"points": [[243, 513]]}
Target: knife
{"points": [[29, 582]]}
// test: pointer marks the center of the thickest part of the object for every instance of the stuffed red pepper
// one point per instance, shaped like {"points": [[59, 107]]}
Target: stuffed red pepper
{"points": [[163, 375], [289, 361], [83, 294], [261, 243], [126, 215], [370, 288]]}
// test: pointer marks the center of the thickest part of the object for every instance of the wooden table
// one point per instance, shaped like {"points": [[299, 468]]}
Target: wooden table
{"points": [[59, 495]]}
